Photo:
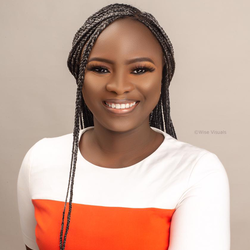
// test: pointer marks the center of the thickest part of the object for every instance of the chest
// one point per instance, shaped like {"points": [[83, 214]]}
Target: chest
{"points": [[100, 227]]}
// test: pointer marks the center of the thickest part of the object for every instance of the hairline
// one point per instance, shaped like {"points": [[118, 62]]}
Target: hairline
{"points": [[134, 19]]}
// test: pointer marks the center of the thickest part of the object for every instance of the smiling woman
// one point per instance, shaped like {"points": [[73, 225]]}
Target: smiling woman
{"points": [[135, 185], [123, 69]]}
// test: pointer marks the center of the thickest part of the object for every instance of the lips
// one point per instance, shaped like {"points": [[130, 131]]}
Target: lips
{"points": [[120, 106]]}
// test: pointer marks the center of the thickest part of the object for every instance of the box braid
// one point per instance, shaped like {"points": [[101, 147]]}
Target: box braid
{"points": [[83, 43]]}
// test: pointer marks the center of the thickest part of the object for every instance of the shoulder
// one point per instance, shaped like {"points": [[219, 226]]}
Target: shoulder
{"points": [[47, 152], [191, 159], [47, 147], [208, 169], [202, 166], [180, 151], [54, 143], [46, 159], [201, 173]]}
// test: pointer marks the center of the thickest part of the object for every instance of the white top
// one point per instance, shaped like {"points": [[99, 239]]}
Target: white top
{"points": [[178, 176]]}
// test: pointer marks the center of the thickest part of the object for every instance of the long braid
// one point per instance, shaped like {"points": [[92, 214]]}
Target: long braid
{"points": [[72, 171], [83, 43]]}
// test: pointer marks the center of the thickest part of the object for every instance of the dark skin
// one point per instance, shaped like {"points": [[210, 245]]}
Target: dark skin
{"points": [[121, 138]]}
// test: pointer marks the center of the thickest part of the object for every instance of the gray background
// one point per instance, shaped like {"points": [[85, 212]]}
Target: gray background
{"points": [[209, 91]]}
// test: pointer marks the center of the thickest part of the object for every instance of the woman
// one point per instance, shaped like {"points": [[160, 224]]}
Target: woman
{"points": [[134, 186]]}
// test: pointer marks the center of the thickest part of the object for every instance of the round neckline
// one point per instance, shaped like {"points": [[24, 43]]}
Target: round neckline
{"points": [[80, 156]]}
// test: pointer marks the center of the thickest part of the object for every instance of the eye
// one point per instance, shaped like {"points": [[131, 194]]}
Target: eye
{"points": [[98, 69], [141, 70]]}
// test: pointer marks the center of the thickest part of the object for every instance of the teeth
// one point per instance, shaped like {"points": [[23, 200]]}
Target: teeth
{"points": [[120, 106]]}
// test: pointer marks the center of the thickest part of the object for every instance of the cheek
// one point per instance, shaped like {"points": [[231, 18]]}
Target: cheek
{"points": [[88, 96], [155, 93], [91, 89], [151, 87]]}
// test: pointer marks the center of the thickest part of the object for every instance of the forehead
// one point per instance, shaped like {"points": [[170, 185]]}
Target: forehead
{"points": [[127, 38]]}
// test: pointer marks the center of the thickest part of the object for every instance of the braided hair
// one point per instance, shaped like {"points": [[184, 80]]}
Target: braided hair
{"points": [[83, 43]]}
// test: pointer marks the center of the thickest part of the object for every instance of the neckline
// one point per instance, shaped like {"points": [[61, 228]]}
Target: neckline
{"points": [[88, 163]]}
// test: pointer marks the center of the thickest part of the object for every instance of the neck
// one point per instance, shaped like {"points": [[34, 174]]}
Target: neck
{"points": [[112, 142]]}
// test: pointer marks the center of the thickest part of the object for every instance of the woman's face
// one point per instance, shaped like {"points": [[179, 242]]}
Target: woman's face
{"points": [[123, 76]]}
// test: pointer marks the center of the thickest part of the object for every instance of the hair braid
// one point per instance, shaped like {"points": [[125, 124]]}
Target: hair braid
{"points": [[82, 45]]}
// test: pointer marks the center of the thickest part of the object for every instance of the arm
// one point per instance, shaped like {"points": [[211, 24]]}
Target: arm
{"points": [[201, 219], [25, 206]]}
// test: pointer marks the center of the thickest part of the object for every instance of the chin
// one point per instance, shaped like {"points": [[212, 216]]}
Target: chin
{"points": [[120, 126]]}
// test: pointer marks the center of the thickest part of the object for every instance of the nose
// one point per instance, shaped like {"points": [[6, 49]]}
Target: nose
{"points": [[120, 84]]}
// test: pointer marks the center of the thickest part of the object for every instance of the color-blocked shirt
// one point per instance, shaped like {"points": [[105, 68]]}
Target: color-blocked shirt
{"points": [[177, 198]]}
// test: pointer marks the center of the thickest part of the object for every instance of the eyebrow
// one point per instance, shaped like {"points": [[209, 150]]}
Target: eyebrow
{"points": [[139, 59]]}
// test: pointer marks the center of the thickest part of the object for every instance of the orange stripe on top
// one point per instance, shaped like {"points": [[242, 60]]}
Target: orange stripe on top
{"points": [[103, 228]]}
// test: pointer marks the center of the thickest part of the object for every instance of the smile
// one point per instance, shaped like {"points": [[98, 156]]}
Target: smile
{"points": [[120, 105], [120, 108]]}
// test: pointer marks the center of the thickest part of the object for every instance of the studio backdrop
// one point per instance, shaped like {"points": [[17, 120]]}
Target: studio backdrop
{"points": [[209, 92]]}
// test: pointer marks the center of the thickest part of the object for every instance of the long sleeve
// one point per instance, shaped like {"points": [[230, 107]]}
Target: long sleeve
{"points": [[25, 206], [201, 220]]}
